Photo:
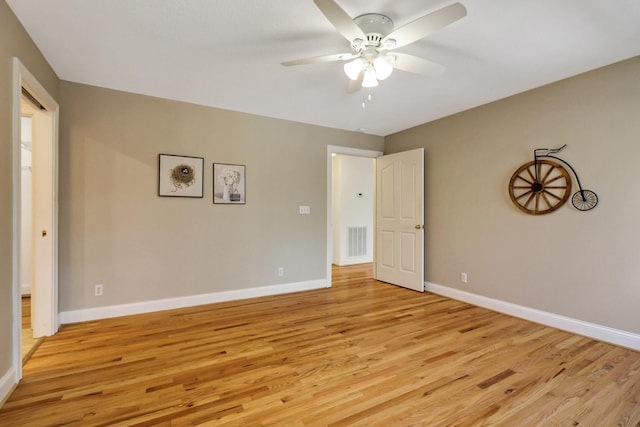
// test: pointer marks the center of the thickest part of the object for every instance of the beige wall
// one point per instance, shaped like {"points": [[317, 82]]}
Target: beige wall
{"points": [[584, 265], [14, 42], [115, 230]]}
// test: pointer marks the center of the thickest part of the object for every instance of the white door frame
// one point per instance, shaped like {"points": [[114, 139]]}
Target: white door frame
{"points": [[23, 78], [331, 150]]}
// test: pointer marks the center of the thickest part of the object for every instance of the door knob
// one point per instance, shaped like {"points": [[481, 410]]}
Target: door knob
{"points": [[418, 227]]}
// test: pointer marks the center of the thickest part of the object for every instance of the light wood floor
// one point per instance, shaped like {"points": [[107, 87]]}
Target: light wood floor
{"points": [[29, 343], [362, 353]]}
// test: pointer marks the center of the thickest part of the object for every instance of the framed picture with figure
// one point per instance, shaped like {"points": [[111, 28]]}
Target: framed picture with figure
{"points": [[229, 184]]}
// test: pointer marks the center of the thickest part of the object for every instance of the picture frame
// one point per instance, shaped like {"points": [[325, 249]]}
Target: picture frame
{"points": [[180, 176], [229, 184]]}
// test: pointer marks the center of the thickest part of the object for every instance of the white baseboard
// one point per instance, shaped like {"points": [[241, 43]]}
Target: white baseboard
{"points": [[591, 330], [7, 383], [353, 260], [96, 313], [25, 289]]}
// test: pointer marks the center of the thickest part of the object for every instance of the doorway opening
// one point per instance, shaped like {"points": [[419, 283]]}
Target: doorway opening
{"points": [[353, 209], [357, 235], [35, 195], [398, 254], [27, 109]]}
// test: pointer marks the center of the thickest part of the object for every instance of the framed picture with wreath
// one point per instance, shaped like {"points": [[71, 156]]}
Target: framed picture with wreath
{"points": [[180, 176]]}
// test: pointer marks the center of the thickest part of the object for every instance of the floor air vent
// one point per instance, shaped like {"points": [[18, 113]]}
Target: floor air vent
{"points": [[357, 244]]}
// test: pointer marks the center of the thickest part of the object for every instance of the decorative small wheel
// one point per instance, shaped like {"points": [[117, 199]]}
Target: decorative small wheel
{"points": [[584, 200], [542, 191]]}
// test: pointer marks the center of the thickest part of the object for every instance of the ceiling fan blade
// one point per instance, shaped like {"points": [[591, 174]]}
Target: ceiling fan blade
{"points": [[414, 64], [339, 18], [355, 85], [426, 25], [319, 59]]}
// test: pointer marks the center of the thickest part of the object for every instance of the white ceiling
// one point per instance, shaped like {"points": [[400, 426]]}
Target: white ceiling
{"points": [[227, 53]]}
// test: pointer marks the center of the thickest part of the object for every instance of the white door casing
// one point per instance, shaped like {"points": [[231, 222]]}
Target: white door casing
{"points": [[400, 219], [47, 318]]}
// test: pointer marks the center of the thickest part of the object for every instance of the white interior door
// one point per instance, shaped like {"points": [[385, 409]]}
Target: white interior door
{"points": [[400, 219], [43, 296]]}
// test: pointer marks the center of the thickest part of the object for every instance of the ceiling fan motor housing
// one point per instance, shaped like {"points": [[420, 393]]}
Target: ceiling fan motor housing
{"points": [[375, 26]]}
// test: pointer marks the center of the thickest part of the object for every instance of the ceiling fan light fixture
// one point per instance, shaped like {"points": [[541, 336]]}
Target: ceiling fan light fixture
{"points": [[369, 79], [354, 68], [383, 67]]}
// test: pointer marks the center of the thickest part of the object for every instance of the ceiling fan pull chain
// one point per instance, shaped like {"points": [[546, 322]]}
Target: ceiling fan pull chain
{"points": [[366, 97]]}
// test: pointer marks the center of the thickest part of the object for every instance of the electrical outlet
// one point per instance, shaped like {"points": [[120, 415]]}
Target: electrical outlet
{"points": [[280, 271], [98, 290], [463, 277]]}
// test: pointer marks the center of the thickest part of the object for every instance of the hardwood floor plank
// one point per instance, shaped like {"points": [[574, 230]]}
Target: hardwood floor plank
{"points": [[360, 353], [29, 343]]}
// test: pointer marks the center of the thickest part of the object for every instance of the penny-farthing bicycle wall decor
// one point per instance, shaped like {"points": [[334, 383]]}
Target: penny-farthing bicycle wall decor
{"points": [[542, 186]]}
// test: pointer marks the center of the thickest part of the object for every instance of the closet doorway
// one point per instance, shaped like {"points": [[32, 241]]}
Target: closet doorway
{"points": [[35, 213]]}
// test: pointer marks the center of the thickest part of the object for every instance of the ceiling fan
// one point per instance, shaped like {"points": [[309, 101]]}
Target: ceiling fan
{"points": [[373, 38]]}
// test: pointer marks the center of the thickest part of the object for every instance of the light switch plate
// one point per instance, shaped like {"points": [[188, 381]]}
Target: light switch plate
{"points": [[305, 210]]}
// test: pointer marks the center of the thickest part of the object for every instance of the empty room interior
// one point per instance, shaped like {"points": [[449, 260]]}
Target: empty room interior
{"points": [[319, 212]]}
